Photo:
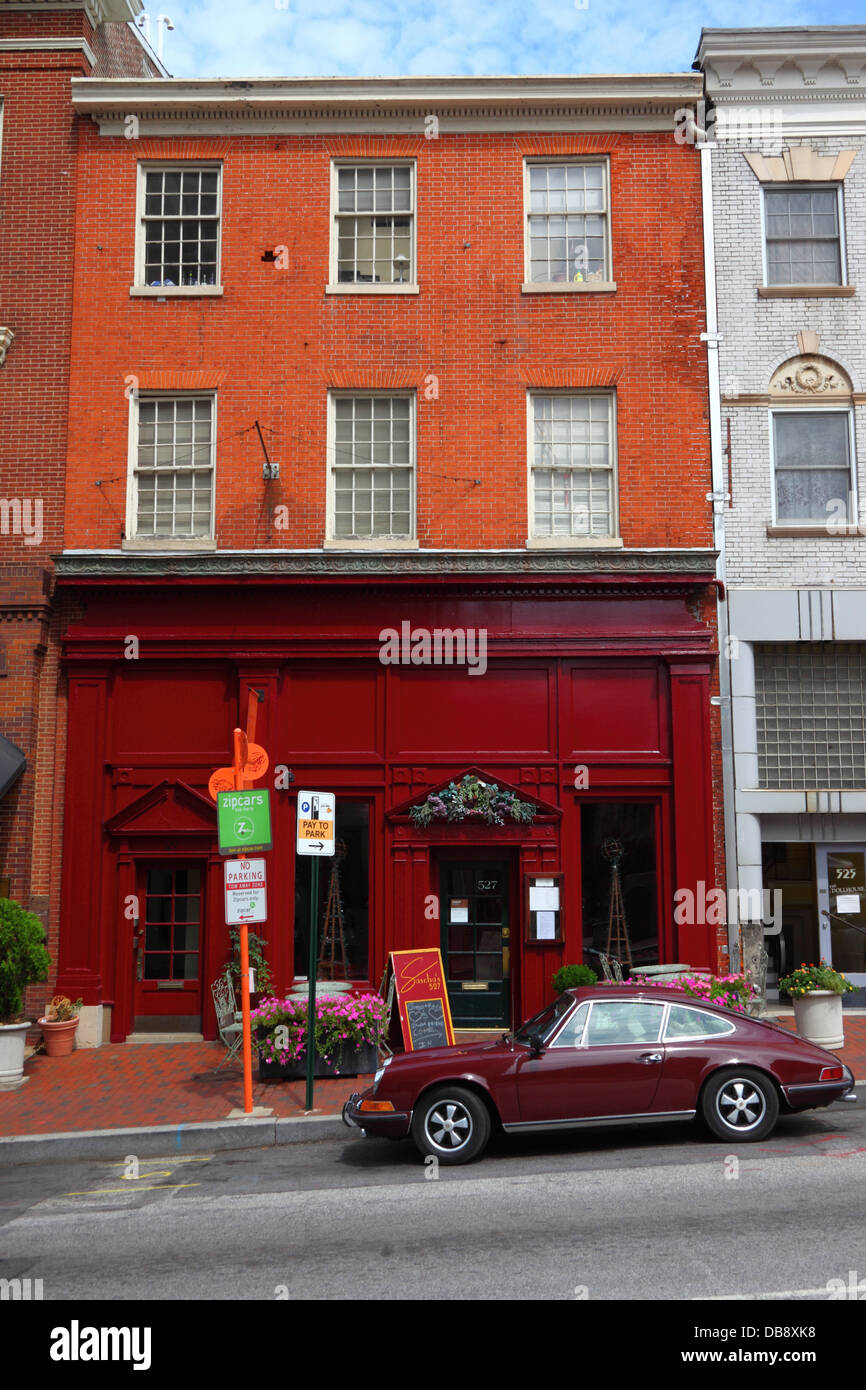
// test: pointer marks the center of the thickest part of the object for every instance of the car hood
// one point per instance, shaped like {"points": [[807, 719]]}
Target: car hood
{"points": [[465, 1051]]}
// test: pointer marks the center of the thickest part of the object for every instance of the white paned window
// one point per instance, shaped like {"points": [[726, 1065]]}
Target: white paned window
{"points": [[172, 496], [374, 232], [572, 465], [372, 468], [812, 457], [803, 235], [567, 223], [179, 239]]}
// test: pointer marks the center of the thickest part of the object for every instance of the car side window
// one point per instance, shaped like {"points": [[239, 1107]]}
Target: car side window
{"points": [[623, 1021], [572, 1033], [693, 1023]]}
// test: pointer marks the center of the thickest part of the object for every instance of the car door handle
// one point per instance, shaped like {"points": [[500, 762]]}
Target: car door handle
{"points": [[650, 1057]]}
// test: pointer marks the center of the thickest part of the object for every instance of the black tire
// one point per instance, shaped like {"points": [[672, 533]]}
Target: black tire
{"points": [[740, 1105], [452, 1123]]}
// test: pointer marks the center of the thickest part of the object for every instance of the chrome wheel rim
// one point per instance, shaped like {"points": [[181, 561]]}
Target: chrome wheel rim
{"points": [[740, 1105], [448, 1126]]}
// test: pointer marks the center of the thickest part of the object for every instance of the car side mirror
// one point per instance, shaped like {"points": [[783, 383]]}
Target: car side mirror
{"points": [[536, 1047]]}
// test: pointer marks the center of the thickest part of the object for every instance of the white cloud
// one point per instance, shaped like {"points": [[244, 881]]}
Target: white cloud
{"points": [[248, 38]]}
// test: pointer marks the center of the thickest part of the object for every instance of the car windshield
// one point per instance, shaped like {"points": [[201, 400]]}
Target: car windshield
{"points": [[546, 1020]]}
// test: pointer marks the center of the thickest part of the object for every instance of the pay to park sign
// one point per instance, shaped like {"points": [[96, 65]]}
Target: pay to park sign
{"points": [[244, 821], [245, 891]]}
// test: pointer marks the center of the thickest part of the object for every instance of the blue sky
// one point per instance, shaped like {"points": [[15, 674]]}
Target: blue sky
{"points": [[291, 38]]}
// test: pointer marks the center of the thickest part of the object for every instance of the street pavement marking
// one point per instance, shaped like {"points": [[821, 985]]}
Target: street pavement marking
{"points": [[154, 1187], [198, 1158], [746, 1297], [151, 1173]]}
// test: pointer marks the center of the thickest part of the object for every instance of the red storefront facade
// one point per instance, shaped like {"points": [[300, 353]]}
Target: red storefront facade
{"points": [[593, 697], [594, 707]]}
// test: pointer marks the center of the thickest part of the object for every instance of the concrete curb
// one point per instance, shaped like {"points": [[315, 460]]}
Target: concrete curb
{"points": [[166, 1141]]}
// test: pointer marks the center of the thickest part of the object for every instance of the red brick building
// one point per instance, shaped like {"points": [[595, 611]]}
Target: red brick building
{"points": [[387, 400], [42, 48]]}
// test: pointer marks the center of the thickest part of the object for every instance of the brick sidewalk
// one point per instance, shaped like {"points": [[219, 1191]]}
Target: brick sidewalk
{"points": [[174, 1083]]}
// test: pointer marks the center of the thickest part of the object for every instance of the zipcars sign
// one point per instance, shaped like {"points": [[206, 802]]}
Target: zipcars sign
{"points": [[244, 821]]}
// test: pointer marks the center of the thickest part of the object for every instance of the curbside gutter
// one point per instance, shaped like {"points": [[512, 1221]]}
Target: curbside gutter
{"points": [[163, 1141]]}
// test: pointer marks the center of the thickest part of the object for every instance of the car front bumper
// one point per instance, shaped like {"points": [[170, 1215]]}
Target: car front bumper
{"points": [[380, 1124]]}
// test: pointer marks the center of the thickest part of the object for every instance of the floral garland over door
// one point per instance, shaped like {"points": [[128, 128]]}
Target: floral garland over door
{"points": [[470, 797]]}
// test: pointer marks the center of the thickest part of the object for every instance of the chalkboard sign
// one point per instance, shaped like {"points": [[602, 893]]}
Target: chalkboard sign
{"points": [[427, 1024], [414, 981]]}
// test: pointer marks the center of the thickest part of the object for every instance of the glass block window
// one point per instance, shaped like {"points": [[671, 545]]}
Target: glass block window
{"points": [[572, 466], [812, 456], [803, 240], [811, 713], [174, 468], [567, 222], [373, 468], [181, 226], [374, 213]]}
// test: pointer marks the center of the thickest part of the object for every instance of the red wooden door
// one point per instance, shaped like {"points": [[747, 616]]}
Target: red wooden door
{"points": [[169, 945]]}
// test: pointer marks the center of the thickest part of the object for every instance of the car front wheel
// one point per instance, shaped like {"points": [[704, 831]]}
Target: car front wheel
{"points": [[452, 1123], [740, 1104]]}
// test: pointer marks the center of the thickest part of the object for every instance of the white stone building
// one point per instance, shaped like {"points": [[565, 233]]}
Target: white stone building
{"points": [[783, 145]]}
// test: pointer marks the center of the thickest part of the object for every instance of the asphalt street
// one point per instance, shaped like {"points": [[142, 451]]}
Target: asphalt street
{"points": [[627, 1214]]}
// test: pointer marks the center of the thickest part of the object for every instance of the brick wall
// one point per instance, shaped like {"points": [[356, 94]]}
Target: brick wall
{"points": [[275, 341], [37, 210]]}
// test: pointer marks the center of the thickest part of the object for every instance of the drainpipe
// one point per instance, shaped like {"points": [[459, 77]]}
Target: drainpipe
{"points": [[719, 498]]}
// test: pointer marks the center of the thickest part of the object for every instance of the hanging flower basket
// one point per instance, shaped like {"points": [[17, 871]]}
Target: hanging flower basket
{"points": [[472, 798]]}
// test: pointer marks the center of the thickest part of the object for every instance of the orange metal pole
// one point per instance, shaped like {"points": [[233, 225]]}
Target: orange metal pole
{"points": [[238, 761]]}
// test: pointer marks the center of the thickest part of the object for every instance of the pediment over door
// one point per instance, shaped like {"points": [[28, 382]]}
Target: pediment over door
{"points": [[544, 810], [167, 808]]}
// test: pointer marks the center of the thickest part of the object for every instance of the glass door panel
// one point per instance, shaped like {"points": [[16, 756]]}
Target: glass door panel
{"points": [[476, 941]]}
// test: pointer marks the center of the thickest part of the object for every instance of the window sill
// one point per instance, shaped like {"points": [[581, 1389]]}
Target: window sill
{"points": [[372, 289], [378, 543], [827, 533], [806, 291], [165, 543], [174, 291], [568, 287], [575, 543]]}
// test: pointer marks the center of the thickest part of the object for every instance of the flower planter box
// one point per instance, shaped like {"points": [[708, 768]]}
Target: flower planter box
{"points": [[818, 1017], [349, 1061]]}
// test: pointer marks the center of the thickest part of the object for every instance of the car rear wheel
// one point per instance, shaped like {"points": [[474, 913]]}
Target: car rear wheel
{"points": [[452, 1123], [740, 1104]]}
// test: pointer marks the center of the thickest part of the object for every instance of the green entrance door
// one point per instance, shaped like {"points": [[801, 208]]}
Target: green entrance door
{"points": [[475, 941]]}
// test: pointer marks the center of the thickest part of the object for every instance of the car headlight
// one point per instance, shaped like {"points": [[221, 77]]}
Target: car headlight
{"points": [[381, 1072]]}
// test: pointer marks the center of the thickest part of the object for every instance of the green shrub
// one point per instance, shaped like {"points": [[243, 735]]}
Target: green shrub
{"points": [[23, 957], [571, 976]]}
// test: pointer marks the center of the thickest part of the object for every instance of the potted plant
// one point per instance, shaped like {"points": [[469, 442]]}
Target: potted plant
{"points": [[258, 964], [816, 993], [347, 1032], [23, 961], [59, 1026], [572, 976]]}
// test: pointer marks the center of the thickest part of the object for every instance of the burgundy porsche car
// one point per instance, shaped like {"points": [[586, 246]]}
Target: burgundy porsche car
{"points": [[613, 1055]]}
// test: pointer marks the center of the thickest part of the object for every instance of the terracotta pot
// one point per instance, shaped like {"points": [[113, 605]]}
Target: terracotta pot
{"points": [[59, 1037]]}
